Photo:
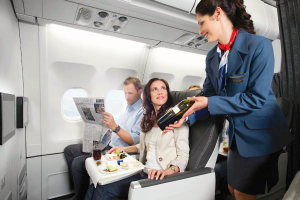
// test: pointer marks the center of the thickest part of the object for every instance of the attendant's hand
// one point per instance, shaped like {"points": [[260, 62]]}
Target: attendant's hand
{"points": [[200, 103], [109, 121], [114, 149], [173, 126], [154, 173]]}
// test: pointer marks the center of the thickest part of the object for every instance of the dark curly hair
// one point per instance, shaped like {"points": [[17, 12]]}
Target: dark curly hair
{"points": [[149, 114], [234, 9]]}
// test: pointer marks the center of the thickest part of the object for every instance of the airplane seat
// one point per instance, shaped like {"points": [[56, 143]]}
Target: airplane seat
{"points": [[278, 190], [198, 181]]}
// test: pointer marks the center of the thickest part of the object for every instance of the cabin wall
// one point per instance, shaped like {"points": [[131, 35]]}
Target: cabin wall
{"points": [[12, 153]]}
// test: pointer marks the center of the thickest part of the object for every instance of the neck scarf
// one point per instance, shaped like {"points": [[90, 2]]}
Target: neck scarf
{"points": [[224, 61], [227, 47]]}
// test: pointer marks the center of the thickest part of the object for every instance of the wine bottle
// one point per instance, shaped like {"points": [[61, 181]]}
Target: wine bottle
{"points": [[175, 113]]}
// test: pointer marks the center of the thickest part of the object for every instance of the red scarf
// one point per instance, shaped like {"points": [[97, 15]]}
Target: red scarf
{"points": [[228, 46]]}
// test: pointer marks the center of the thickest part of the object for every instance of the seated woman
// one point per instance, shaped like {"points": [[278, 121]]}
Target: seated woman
{"points": [[162, 155]]}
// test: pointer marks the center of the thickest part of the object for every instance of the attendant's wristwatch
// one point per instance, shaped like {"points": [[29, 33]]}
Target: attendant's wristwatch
{"points": [[117, 129]]}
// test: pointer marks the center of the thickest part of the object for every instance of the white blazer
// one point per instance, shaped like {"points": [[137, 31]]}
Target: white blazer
{"points": [[172, 148]]}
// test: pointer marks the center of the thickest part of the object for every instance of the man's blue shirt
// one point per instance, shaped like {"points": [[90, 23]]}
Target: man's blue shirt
{"points": [[130, 121]]}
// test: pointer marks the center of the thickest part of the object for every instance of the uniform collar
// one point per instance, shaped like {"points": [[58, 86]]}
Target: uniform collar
{"points": [[236, 56], [240, 44]]}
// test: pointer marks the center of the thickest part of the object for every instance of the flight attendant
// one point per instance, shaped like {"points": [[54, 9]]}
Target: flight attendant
{"points": [[239, 73]]}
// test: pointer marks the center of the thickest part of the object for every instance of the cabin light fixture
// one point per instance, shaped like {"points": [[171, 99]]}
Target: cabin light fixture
{"points": [[74, 34]]}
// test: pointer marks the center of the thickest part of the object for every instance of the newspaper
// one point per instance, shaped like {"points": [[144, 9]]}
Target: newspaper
{"points": [[96, 134]]}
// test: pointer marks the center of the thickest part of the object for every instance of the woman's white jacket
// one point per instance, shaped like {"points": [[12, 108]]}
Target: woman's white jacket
{"points": [[172, 148]]}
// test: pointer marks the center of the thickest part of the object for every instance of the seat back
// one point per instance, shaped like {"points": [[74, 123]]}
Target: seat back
{"points": [[287, 109], [203, 136]]}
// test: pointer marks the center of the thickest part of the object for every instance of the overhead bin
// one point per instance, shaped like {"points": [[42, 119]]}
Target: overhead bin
{"points": [[167, 21], [185, 5]]}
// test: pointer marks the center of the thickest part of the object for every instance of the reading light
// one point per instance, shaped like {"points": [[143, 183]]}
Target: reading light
{"points": [[98, 24], [200, 37], [103, 14], [122, 19], [116, 28]]}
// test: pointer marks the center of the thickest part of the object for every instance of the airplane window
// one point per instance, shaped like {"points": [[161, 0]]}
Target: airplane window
{"points": [[70, 111], [115, 103]]}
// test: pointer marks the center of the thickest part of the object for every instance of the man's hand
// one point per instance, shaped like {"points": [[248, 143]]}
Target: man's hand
{"points": [[154, 173], [109, 121], [114, 149]]}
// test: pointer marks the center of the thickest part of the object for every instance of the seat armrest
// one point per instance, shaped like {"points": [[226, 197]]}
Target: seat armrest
{"points": [[183, 175], [133, 154]]}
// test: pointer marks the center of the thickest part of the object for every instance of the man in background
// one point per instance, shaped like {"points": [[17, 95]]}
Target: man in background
{"points": [[126, 132], [194, 87]]}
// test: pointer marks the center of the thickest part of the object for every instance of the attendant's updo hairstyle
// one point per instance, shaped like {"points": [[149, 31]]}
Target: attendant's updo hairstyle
{"points": [[149, 114], [234, 9]]}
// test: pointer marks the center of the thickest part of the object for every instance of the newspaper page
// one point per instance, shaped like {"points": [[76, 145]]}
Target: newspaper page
{"points": [[96, 134]]}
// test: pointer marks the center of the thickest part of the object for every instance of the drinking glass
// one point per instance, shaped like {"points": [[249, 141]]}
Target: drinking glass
{"points": [[97, 154]]}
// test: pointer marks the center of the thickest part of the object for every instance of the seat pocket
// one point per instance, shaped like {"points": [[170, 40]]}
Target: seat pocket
{"points": [[259, 122]]}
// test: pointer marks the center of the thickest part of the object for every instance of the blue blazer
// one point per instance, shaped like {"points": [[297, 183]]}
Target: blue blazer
{"points": [[255, 119]]}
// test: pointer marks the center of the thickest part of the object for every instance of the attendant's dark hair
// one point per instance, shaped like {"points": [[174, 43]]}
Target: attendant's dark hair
{"points": [[234, 9], [149, 114]]}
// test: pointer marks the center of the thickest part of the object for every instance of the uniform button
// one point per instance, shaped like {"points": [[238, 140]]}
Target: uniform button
{"points": [[160, 159]]}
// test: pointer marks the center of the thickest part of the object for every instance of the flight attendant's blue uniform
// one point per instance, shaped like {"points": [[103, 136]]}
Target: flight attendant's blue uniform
{"points": [[257, 127], [256, 121]]}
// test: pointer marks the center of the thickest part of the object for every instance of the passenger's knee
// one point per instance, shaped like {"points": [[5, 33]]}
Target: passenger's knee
{"points": [[67, 149], [78, 165]]}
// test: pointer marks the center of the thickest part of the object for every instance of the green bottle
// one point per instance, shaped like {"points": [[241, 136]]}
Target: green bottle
{"points": [[175, 113]]}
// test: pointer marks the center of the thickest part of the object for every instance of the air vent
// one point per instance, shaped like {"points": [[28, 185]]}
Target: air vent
{"points": [[84, 16], [119, 22], [191, 40], [101, 19]]}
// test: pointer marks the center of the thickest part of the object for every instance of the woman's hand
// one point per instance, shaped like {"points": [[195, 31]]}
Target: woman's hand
{"points": [[173, 126], [154, 173], [200, 103], [114, 149]]}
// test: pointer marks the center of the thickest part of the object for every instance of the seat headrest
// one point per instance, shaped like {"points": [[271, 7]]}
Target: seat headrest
{"points": [[180, 95]]}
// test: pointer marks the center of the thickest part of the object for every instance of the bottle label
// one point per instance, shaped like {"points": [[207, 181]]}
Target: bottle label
{"points": [[176, 109]]}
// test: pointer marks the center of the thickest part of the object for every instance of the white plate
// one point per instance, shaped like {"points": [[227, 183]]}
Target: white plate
{"points": [[130, 167], [110, 156]]}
